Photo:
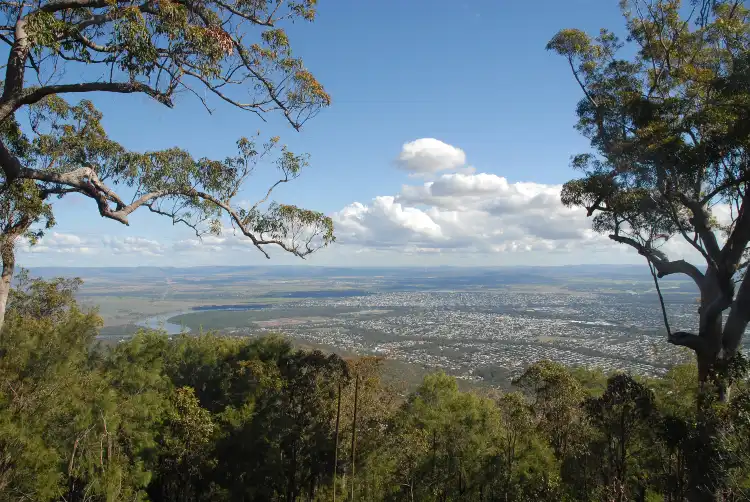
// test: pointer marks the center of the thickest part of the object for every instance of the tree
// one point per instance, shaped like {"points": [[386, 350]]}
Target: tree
{"points": [[556, 398], [73, 425], [286, 436], [523, 470], [670, 136], [20, 205], [621, 417], [186, 443], [375, 403], [42, 374], [156, 48]]}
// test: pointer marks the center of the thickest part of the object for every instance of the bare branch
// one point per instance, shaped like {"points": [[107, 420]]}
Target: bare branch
{"points": [[268, 193], [689, 340], [676, 219], [272, 92], [58, 5], [663, 266], [10, 164], [253, 107], [254, 19], [721, 188], [738, 319], [176, 219], [34, 95], [736, 244], [700, 221], [652, 269]]}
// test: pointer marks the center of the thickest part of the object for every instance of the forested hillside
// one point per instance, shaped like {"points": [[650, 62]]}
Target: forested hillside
{"points": [[218, 418]]}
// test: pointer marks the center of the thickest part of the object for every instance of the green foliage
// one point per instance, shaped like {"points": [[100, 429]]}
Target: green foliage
{"points": [[193, 192], [213, 418], [68, 427], [236, 52], [667, 121], [664, 125]]}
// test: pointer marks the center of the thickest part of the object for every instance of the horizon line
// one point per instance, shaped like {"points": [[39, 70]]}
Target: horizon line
{"points": [[93, 267]]}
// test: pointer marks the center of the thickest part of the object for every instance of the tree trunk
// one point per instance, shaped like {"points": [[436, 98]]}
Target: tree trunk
{"points": [[710, 332], [8, 255], [708, 355], [336, 441], [354, 429], [291, 490]]}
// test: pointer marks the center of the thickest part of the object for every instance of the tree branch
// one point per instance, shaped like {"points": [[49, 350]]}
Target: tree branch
{"points": [[253, 19], [700, 221], [735, 246], [58, 5], [722, 187], [10, 164], [689, 340], [253, 107], [663, 266], [175, 219], [86, 181], [654, 275], [676, 219], [738, 319], [34, 95], [272, 92], [243, 227]]}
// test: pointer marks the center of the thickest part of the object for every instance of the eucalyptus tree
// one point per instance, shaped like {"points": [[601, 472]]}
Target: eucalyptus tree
{"points": [[668, 119], [233, 52]]}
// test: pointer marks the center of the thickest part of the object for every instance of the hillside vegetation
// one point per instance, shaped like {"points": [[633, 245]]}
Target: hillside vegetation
{"points": [[218, 418]]}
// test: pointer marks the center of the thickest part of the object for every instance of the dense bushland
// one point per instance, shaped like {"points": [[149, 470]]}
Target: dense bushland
{"points": [[219, 418]]}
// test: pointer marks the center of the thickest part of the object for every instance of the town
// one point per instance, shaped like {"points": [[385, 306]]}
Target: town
{"points": [[465, 332]]}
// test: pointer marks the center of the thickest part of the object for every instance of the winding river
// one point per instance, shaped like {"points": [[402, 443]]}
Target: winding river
{"points": [[160, 321]]}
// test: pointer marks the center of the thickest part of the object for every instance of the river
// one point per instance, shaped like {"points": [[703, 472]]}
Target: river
{"points": [[160, 322]]}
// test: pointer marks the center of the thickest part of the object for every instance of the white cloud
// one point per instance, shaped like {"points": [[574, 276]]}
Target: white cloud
{"points": [[429, 155], [386, 223], [57, 242], [133, 245], [212, 243], [469, 213], [64, 240], [69, 244], [455, 217]]}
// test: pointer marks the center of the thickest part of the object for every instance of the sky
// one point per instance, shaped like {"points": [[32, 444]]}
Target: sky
{"points": [[449, 136]]}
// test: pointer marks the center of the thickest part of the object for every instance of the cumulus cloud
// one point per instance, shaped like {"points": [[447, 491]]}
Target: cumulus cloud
{"points": [[454, 213], [429, 155], [468, 212], [462, 211], [56, 242]]}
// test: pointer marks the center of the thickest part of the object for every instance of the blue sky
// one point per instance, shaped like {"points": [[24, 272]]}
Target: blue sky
{"points": [[474, 76]]}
